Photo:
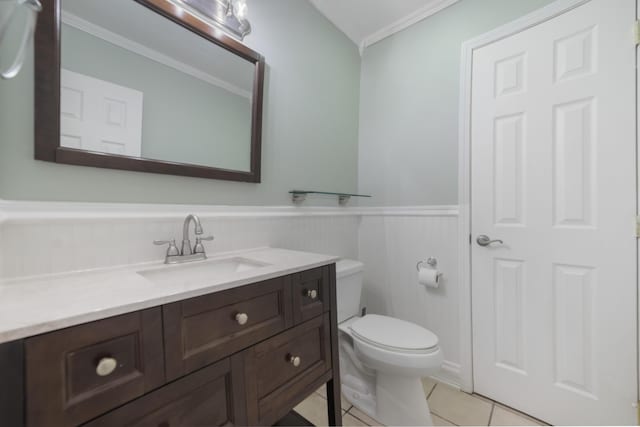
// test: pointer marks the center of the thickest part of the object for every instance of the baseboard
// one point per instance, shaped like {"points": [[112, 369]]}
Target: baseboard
{"points": [[449, 374]]}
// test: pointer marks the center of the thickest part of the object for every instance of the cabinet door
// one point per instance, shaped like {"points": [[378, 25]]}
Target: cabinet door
{"points": [[203, 330], [213, 396], [78, 373], [282, 370], [310, 294]]}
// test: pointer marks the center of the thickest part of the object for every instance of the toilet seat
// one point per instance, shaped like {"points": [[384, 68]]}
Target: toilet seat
{"points": [[393, 346], [394, 335]]}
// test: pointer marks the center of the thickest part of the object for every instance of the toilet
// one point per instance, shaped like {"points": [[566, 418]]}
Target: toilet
{"points": [[382, 359]]}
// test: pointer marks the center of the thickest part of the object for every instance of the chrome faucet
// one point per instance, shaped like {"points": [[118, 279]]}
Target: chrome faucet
{"points": [[186, 243], [187, 253]]}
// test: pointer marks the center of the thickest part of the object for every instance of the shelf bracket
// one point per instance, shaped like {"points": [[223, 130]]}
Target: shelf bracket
{"points": [[343, 199], [298, 197]]}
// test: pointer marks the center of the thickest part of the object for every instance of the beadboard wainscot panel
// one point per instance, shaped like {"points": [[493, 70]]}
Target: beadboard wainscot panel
{"points": [[48, 238], [38, 238], [391, 242]]}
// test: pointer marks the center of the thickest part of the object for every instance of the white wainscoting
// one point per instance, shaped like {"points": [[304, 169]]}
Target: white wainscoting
{"points": [[46, 238], [390, 244]]}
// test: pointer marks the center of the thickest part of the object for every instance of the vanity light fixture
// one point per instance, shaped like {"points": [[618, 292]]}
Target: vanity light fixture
{"points": [[228, 15], [240, 8]]}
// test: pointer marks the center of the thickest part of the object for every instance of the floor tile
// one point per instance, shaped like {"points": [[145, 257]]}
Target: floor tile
{"points": [[346, 406], [458, 407], [351, 421], [428, 384], [449, 406], [437, 421], [364, 417], [322, 391], [314, 409], [481, 397], [508, 417]]}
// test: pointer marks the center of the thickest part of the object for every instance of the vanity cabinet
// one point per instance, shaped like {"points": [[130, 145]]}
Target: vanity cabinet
{"points": [[201, 330], [310, 294], [212, 396], [74, 374], [243, 356], [285, 367]]}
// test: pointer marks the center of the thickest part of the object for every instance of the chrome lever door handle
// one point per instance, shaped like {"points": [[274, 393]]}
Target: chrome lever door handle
{"points": [[484, 240]]}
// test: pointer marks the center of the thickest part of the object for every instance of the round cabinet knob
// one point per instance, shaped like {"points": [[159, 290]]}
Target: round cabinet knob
{"points": [[242, 318], [106, 366], [312, 293], [295, 360]]}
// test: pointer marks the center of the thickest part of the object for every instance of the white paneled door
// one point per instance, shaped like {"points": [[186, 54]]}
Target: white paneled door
{"points": [[553, 177], [97, 115]]}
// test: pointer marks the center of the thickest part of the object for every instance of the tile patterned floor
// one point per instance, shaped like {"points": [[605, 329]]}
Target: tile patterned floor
{"points": [[449, 407]]}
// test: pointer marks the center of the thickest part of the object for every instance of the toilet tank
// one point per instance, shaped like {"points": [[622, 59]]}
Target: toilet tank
{"points": [[348, 288]]}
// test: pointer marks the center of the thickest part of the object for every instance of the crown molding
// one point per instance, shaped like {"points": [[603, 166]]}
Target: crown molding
{"points": [[139, 49], [405, 22], [399, 25], [352, 37]]}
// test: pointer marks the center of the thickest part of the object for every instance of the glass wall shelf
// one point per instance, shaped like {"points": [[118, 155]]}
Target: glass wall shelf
{"points": [[299, 196]]}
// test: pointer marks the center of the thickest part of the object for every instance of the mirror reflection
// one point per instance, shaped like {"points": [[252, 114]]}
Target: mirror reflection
{"points": [[130, 86]]}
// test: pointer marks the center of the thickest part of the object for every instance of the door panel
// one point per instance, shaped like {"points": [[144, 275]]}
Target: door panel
{"points": [[101, 116], [553, 176]]}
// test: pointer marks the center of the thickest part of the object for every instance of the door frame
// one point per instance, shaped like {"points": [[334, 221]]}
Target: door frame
{"points": [[532, 19], [638, 210]]}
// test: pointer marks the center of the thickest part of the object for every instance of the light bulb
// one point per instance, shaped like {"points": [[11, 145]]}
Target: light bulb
{"points": [[240, 8]]}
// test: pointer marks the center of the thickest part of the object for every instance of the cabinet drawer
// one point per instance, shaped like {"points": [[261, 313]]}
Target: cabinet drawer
{"points": [[203, 330], [213, 396], [76, 374], [310, 294], [274, 383]]}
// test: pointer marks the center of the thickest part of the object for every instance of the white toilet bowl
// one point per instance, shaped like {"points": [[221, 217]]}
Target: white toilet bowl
{"points": [[396, 346], [383, 359], [394, 374]]}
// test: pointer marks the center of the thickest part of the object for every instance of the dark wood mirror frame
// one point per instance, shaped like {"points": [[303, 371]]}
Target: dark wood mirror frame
{"points": [[47, 100]]}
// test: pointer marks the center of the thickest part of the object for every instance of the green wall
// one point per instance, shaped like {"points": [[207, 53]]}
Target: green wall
{"points": [[409, 103], [404, 94], [310, 127], [184, 119]]}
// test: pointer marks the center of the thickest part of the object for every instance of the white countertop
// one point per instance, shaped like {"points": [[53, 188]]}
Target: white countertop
{"points": [[32, 306]]}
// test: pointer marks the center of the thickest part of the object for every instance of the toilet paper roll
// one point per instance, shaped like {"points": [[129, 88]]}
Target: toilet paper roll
{"points": [[429, 277]]}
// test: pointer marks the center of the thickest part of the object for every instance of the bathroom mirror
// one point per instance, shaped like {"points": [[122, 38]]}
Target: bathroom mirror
{"points": [[148, 86]]}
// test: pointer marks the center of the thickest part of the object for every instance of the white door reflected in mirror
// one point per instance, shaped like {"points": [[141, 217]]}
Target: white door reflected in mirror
{"points": [[96, 115], [198, 96]]}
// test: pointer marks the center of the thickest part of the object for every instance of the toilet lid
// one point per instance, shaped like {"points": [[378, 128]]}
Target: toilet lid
{"points": [[392, 332]]}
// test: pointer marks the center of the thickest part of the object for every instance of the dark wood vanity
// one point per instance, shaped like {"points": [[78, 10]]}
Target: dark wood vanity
{"points": [[244, 356]]}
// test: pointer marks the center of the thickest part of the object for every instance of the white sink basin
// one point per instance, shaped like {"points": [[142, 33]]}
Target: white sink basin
{"points": [[200, 271]]}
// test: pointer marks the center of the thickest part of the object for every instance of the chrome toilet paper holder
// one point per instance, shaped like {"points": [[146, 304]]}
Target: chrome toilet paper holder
{"points": [[431, 262]]}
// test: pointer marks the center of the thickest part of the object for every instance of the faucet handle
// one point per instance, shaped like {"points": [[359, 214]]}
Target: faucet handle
{"points": [[172, 250], [199, 247]]}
